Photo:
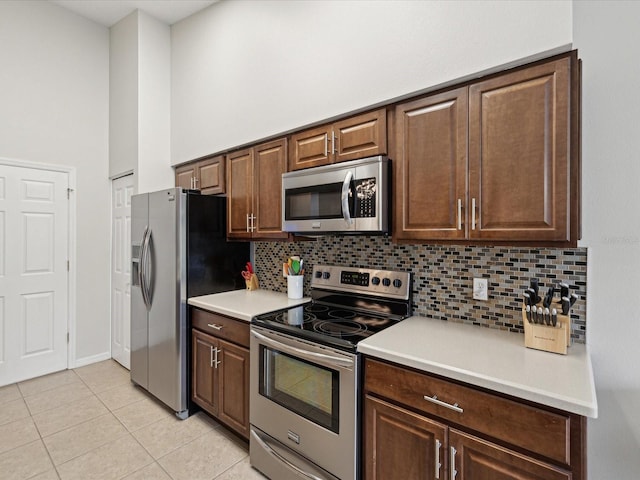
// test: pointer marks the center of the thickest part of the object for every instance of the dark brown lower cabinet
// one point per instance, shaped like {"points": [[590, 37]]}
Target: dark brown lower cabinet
{"points": [[475, 459], [418, 426], [220, 373], [400, 444]]}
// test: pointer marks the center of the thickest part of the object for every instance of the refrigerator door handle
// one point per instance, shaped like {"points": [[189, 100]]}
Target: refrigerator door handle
{"points": [[145, 268]]}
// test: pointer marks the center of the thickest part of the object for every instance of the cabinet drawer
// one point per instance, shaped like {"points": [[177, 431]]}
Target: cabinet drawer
{"points": [[227, 328], [534, 429]]}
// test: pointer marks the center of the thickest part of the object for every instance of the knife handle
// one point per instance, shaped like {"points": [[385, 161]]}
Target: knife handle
{"points": [[566, 304], [527, 310], [554, 317], [564, 290]]}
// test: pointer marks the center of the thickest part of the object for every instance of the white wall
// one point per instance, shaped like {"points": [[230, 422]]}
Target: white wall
{"points": [[608, 40], [123, 96], [54, 95], [242, 71], [140, 82], [154, 82]]}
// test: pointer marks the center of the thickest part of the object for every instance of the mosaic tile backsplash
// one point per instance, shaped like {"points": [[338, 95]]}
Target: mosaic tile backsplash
{"points": [[443, 275]]}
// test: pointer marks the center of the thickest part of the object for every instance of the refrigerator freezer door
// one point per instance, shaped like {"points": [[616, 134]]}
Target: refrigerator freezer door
{"points": [[139, 325], [167, 320]]}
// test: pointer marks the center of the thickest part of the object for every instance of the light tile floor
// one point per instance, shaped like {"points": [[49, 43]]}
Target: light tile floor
{"points": [[93, 423]]}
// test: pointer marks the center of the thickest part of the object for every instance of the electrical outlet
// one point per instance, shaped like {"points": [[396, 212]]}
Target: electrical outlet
{"points": [[480, 289]]}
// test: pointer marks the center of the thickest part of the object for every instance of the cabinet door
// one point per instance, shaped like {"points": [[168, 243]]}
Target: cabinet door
{"points": [[204, 375], [185, 175], [310, 148], [361, 136], [240, 193], [270, 162], [234, 383], [519, 142], [430, 167], [477, 459], [402, 445], [210, 175]]}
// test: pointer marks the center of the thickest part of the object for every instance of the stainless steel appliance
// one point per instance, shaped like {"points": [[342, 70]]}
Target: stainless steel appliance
{"points": [[178, 250], [347, 197], [305, 372]]}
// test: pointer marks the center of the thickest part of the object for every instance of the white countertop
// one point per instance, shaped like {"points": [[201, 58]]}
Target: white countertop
{"points": [[245, 304], [492, 359]]}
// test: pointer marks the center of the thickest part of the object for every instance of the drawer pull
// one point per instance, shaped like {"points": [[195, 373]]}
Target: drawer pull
{"points": [[214, 326], [435, 400]]}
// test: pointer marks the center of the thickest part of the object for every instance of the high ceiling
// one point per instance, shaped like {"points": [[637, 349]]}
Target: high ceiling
{"points": [[110, 12]]}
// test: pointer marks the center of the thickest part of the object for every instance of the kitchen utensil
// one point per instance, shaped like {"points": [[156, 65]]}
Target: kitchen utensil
{"points": [[246, 275], [564, 290], [566, 305], [554, 317], [533, 283], [547, 316], [540, 316], [527, 310], [249, 267], [572, 299], [527, 299]]}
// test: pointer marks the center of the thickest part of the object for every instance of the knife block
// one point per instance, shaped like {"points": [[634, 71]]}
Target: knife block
{"points": [[252, 283], [546, 337]]}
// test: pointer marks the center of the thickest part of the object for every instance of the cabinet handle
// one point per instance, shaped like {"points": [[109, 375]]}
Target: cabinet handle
{"points": [[216, 361], [473, 214], [195, 182], [435, 400], [253, 225], [211, 357], [452, 456], [459, 214], [191, 183], [248, 223], [333, 142], [215, 326], [438, 465], [326, 145]]}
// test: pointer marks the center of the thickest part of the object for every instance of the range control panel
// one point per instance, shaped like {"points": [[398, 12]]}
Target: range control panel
{"points": [[384, 283]]}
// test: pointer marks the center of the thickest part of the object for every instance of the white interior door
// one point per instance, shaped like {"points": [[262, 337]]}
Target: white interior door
{"points": [[121, 191], [34, 288]]}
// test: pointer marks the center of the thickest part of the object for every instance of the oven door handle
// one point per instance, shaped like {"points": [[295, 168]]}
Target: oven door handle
{"points": [[334, 360], [272, 452]]}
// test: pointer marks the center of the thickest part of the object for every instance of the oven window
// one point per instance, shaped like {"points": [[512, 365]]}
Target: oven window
{"points": [[310, 390], [315, 203]]}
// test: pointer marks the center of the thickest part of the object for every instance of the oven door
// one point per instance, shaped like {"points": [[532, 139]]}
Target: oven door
{"points": [[303, 397]]}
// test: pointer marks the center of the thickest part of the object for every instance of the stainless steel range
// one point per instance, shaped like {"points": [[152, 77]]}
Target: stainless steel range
{"points": [[305, 372]]}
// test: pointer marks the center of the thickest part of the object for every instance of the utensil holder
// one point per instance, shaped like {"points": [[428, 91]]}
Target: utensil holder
{"points": [[294, 286], [546, 337], [252, 283]]}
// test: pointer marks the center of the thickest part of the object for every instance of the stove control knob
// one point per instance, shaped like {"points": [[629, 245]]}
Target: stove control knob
{"points": [[318, 274], [375, 281], [326, 275], [397, 283], [386, 282]]}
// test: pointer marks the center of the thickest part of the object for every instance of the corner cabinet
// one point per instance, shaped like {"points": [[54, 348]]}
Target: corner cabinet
{"points": [[220, 368], [255, 191], [497, 160], [349, 139], [206, 175], [420, 426]]}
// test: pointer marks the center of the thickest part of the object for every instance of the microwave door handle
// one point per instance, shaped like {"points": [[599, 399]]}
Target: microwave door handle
{"points": [[345, 197]]}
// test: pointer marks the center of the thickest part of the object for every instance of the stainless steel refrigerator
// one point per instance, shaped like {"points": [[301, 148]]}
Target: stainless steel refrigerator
{"points": [[178, 250]]}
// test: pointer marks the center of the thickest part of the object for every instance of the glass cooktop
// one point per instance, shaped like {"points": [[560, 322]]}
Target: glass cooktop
{"points": [[333, 326]]}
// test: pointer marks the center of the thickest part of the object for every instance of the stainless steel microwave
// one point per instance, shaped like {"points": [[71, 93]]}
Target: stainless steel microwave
{"points": [[347, 197]]}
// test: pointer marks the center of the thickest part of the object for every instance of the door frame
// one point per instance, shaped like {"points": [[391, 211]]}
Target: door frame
{"points": [[71, 244]]}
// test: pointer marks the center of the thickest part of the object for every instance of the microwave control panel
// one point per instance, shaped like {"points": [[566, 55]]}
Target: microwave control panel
{"points": [[366, 197]]}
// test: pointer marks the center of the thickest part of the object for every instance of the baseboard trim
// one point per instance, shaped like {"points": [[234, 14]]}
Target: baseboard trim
{"points": [[81, 362]]}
